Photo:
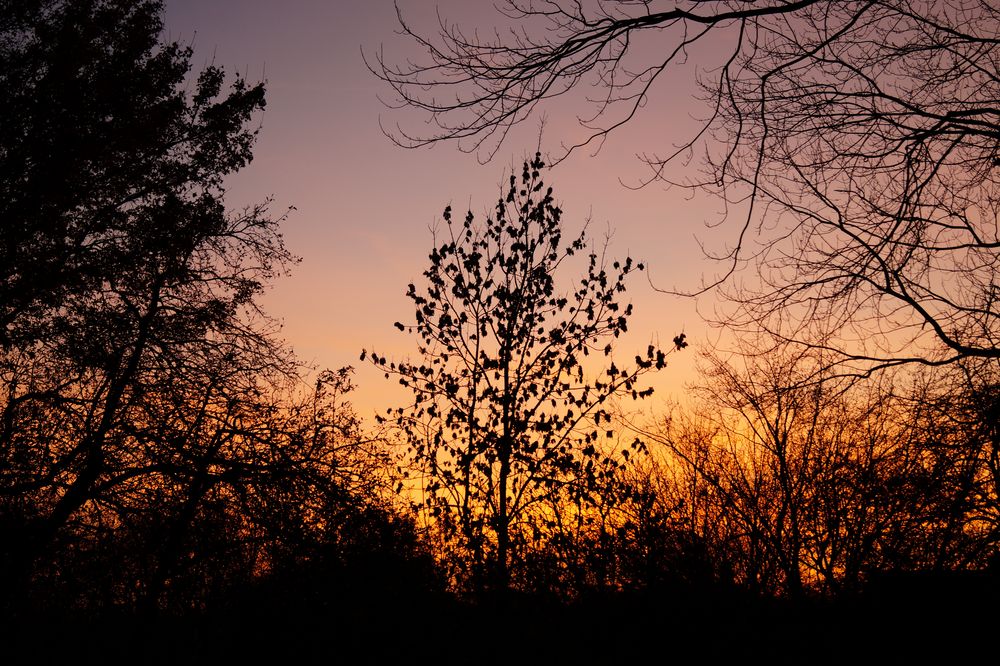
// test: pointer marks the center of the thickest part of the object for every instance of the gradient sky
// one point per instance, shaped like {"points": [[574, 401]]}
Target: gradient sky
{"points": [[364, 206]]}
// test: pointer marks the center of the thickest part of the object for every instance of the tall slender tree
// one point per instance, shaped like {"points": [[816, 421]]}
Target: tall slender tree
{"points": [[509, 410]]}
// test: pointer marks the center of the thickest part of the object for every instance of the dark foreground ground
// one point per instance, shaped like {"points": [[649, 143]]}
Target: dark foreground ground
{"points": [[909, 622]]}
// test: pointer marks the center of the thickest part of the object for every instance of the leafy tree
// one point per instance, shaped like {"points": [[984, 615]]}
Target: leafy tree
{"points": [[100, 146], [157, 445], [855, 141], [126, 289], [508, 411]]}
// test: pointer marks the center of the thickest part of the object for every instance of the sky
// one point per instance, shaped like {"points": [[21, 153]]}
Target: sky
{"points": [[364, 207]]}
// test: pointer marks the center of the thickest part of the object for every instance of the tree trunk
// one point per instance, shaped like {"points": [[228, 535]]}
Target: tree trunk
{"points": [[93, 444], [503, 519]]}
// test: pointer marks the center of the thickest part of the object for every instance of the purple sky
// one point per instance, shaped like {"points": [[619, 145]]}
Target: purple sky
{"points": [[364, 206]]}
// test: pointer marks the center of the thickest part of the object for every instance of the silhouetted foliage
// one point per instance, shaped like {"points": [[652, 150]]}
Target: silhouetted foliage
{"points": [[854, 143], [508, 414], [128, 291], [104, 157], [157, 447], [632, 537]]}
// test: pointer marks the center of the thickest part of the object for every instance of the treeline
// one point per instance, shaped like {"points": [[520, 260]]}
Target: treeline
{"points": [[785, 476], [790, 486], [777, 484]]}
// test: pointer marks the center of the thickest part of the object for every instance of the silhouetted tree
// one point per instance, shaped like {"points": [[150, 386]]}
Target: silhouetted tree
{"points": [[270, 483], [856, 143], [508, 411], [633, 534], [125, 286], [158, 449], [979, 413], [101, 144], [956, 421]]}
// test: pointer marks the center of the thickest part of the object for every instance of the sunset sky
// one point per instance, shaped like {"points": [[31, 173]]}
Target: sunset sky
{"points": [[233, 463], [364, 207]]}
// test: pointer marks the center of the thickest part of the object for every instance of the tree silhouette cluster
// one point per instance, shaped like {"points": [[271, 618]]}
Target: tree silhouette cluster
{"points": [[818, 489], [158, 448], [854, 145]]}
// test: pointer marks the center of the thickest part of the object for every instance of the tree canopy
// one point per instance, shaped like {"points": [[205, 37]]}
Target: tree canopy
{"points": [[157, 444], [102, 149], [509, 413]]}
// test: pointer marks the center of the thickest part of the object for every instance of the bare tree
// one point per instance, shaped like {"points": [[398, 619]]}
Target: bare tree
{"points": [[855, 143], [812, 487]]}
